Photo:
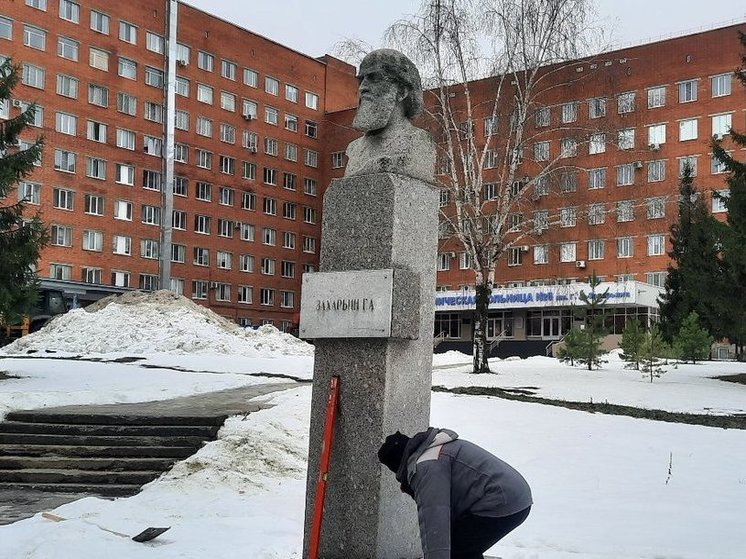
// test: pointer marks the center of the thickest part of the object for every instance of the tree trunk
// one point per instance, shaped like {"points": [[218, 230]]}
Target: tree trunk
{"points": [[481, 346]]}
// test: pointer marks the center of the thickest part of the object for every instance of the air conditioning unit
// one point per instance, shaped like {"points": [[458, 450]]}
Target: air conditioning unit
{"points": [[655, 147], [182, 63], [580, 264], [237, 224], [248, 117], [17, 103], [252, 149], [638, 164], [213, 285], [524, 248], [717, 136]]}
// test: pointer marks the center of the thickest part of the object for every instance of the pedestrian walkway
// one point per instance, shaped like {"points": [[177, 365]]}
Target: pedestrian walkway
{"points": [[22, 500]]}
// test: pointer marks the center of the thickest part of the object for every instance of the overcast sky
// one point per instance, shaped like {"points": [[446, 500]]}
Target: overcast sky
{"points": [[314, 26]]}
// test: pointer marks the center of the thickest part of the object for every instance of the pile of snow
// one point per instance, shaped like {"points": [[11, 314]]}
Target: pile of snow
{"points": [[160, 322]]}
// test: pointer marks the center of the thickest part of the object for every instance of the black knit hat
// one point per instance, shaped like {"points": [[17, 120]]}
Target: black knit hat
{"points": [[392, 450]]}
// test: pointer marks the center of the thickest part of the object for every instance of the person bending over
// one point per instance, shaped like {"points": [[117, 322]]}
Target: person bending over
{"points": [[467, 499]]}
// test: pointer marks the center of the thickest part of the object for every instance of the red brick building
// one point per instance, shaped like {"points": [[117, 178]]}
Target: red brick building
{"points": [[259, 131]]}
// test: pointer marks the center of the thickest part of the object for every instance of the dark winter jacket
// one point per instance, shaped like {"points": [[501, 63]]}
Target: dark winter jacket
{"points": [[449, 477]]}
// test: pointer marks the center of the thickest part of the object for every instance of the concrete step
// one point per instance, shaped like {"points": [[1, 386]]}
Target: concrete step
{"points": [[36, 416], [116, 464], [175, 452], [107, 490], [80, 477], [165, 430], [82, 440]]}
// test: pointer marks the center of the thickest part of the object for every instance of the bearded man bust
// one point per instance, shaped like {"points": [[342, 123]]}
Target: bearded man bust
{"points": [[390, 96]]}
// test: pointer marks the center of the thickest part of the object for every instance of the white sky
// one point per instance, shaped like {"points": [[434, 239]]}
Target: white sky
{"points": [[313, 27]]}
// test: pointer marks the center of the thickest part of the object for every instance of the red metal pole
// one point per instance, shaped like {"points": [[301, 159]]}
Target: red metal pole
{"points": [[326, 451]]}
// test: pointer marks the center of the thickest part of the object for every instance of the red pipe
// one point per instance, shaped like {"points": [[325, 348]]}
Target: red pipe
{"points": [[326, 451]]}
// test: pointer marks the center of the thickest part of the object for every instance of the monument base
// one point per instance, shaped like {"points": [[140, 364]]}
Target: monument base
{"points": [[374, 222]]}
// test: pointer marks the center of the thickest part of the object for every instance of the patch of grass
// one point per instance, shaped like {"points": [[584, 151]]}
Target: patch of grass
{"points": [[738, 379], [5, 375], [722, 421]]}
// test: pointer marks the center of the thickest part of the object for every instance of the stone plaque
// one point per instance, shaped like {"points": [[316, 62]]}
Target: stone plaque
{"points": [[355, 304]]}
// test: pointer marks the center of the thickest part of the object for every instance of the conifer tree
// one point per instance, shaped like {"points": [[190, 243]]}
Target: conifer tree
{"points": [[572, 346], [653, 347], [585, 344], [695, 264], [693, 342], [733, 305], [633, 337], [22, 236]]}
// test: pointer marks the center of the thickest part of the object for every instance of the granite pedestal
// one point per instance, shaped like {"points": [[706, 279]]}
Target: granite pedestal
{"points": [[374, 222]]}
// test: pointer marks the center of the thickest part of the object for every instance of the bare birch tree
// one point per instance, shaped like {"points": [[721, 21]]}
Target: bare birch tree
{"points": [[490, 63]]}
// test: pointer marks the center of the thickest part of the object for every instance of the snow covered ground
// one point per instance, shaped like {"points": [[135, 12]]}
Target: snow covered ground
{"points": [[605, 487]]}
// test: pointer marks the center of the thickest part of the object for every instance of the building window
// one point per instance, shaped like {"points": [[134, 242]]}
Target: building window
{"points": [[625, 174], [154, 42], [204, 159], [691, 162], [126, 104], [248, 201], [120, 279], [597, 107], [201, 257], [99, 22], [656, 207], [717, 166], [228, 69], [34, 37], [721, 125], [182, 86], [625, 247], [33, 76], [205, 61], [596, 178], [95, 168], [626, 102], [124, 174], [288, 240], [93, 240], [271, 115], [181, 153], [245, 294], [66, 124], [66, 48], [267, 297], [204, 127], [721, 84], [224, 260], [688, 129], [596, 249], [202, 224], [312, 101], [656, 135], [67, 86], [270, 176], [204, 191], [720, 201], [309, 186], [227, 165], [569, 147], [227, 133], [597, 144], [204, 93], [98, 95], [228, 101], [687, 91], [199, 289], [625, 211], [250, 77], [289, 210], [29, 192], [178, 253], [541, 254], [515, 256], [287, 299], [60, 271], [148, 282], [656, 97], [311, 158], [38, 4], [69, 11], [127, 32], [271, 86], [152, 145], [181, 186], [309, 214], [98, 59], [247, 232], [569, 112], [153, 112], [626, 138], [568, 217], [122, 245], [179, 220], [246, 263], [287, 269], [541, 151], [568, 181], [123, 210], [268, 266], [596, 214], [656, 170], [61, 235], [568, 252], [656, 245], [182, 120], [150, 215], [127, 68], [269, 236], [444, 261], [311, 129], [64, 161], [309, 245]]}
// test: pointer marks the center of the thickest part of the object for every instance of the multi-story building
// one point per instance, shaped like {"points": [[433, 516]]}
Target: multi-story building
{"points": [[247, 151], [258, 130]]}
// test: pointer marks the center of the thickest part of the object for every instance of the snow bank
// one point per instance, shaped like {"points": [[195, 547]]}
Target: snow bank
{"points": [[160, 322]]}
